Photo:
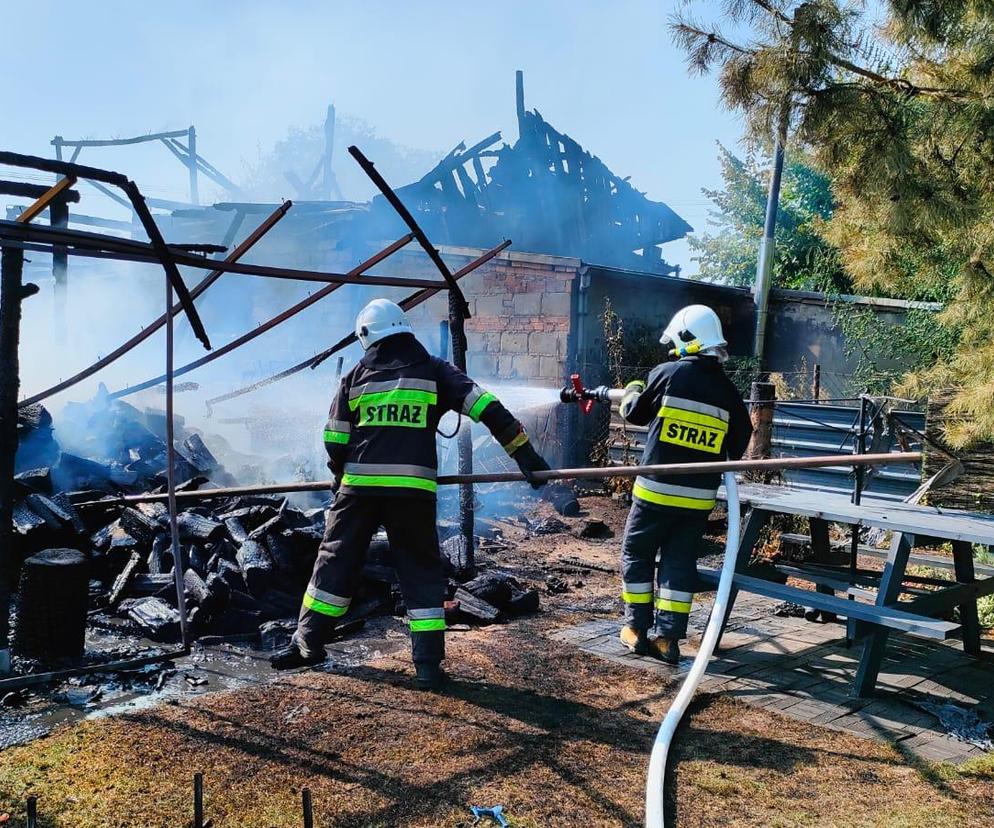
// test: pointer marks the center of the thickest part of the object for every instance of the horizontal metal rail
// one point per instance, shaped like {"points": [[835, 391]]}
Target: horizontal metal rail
{"points": [[591, 473], [137, 251]]}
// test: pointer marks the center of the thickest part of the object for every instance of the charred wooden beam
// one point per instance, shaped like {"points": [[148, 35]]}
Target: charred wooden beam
{"points": [[138, 204], [408, 219], [236, 254], [11, 295], [20, 188], [104, 246], [414, 300], [410, 302], [352, 275], [58, 141]]}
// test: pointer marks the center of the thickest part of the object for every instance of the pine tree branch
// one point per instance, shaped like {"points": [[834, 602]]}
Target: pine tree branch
{"points": [[688, 31], [903, 85]]}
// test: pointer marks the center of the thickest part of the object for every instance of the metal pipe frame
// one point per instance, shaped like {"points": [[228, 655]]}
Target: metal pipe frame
{"points": [[156, 325], [137, 200], [410, 302], [279, 319], [137, 251], [590, 473]]}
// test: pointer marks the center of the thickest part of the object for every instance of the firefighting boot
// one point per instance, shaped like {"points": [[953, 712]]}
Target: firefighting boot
{"points": [[635, 640], [665, 649], [290, 658], [429, 676]]}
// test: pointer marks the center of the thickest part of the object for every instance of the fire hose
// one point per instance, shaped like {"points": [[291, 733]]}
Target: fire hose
{"points": [[656, 776]]}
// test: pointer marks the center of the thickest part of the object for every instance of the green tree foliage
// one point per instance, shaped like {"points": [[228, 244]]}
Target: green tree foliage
{"points": [[899, 113], [803, 259]]}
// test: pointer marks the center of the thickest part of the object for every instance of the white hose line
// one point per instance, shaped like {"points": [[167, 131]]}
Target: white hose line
{"points": [[656, 782]]}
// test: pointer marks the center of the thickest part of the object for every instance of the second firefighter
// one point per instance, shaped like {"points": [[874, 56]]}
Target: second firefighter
{"points": [[694, 414]]}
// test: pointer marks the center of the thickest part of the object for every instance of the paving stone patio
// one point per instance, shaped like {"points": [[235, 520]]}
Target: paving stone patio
{"points": [[804, 670]]}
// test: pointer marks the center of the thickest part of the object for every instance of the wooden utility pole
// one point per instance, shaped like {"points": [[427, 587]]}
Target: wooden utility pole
{"points": [[764, 262], [763, 397]]}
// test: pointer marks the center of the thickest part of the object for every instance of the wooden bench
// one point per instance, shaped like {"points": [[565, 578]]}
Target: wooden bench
{"points": [[915, 559], [891, 617], [924, 615]]}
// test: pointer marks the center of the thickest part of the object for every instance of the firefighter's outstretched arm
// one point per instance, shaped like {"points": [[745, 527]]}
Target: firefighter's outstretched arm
{"points": [[338, 430], [739, 430], [641, 400], [458, 392]]}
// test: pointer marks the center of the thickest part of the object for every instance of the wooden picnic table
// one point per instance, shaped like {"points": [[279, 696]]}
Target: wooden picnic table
{"points": [[910, 525]]}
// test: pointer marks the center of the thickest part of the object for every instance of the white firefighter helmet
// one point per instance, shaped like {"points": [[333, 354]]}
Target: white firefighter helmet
{"points": [[378, 320], [695, 329]]}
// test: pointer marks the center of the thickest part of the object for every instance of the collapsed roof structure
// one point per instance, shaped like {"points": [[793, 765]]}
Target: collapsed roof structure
{"points": [[545, 191], [549, 195]]}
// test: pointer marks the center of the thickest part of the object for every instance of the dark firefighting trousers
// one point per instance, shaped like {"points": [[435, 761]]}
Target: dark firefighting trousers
{"points": [[352, 521], [675, 534]]}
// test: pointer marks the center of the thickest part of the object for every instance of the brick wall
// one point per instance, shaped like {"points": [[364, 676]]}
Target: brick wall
{"points": [[520, 307]]}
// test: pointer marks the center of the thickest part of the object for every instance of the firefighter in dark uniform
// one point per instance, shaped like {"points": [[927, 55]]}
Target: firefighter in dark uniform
{"points": [[380, 439], [694, 414]]}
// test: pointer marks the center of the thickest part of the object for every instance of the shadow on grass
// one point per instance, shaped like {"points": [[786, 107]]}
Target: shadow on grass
{"points": [[553, 724]]}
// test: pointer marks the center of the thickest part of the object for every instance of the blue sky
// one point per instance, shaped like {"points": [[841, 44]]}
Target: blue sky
{"points": [[426, 74]]}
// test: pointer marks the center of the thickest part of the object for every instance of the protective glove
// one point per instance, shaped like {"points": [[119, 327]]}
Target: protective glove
{"points": [[530, 461]]}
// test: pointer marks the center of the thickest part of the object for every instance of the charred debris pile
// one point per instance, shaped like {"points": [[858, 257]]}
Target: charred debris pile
{"points": [[247, 559]]}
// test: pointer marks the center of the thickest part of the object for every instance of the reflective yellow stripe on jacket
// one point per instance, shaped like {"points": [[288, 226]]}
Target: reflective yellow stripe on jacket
{"points": [[389, 475], [337, 431], [668, 494]]}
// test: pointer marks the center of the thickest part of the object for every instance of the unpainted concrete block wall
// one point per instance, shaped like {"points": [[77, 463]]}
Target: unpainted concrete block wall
{"points": [[520, 316]]}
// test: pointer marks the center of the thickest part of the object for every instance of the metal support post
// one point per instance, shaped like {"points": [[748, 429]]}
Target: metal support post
{"points": [[859, 475], [191, 146], [58, 213], [12, 292], [464, 440], [178, 568]]}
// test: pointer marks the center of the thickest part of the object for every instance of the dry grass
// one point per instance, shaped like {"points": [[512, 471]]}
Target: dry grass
{"points": [[557, 737]]}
